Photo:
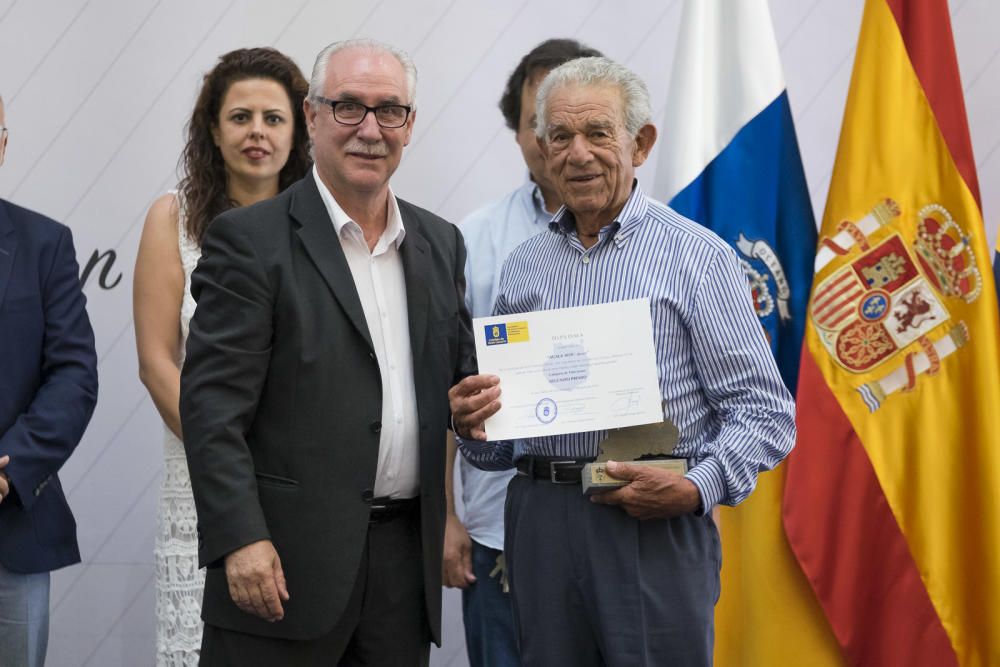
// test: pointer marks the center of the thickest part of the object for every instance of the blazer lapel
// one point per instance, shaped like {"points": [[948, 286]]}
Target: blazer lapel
{"points": [[321, 244], [415, 252], [8, 245]]}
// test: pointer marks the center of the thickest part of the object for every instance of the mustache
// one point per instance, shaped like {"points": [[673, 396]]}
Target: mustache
{"points": [[376, 149]]}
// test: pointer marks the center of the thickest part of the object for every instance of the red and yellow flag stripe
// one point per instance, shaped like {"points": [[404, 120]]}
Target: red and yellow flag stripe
{"points": [[767, 614], [890, 503]]}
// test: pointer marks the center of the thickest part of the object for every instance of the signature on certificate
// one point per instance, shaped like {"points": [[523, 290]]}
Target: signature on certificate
{"points": [[627, 403]]}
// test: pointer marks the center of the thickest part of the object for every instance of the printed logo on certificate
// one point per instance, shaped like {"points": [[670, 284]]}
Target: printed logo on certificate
{"points": [[571, 370]]}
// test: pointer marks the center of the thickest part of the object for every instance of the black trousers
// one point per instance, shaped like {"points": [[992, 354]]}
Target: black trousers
{"points": [[385, 622], [592, 586]]}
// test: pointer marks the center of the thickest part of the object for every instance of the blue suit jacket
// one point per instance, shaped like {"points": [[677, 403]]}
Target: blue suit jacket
{"points": [[48, 386]]}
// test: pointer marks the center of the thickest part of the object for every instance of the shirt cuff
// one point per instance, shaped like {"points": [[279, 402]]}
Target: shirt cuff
{"points": [[474, 448], [710, 481]]}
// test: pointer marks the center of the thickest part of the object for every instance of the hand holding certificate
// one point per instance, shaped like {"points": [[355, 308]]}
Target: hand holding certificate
{"points": [[571, 370]]}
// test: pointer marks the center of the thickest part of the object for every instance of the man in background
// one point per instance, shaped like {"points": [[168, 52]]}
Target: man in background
{"points": [[48, 390], [473, 553]]}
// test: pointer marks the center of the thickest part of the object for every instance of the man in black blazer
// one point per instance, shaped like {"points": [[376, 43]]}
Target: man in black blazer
{"points": [[330, 325], [48, 389]]}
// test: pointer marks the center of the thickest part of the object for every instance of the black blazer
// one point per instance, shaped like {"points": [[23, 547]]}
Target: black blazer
{"points": [[281, 400], [48, 386]]}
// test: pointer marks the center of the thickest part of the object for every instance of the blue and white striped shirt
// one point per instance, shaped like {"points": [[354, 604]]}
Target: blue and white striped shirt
{"points": [[719, 381]]}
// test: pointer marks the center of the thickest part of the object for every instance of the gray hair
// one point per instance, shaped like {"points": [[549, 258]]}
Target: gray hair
{"points": [[318, 79], [597, 72]]}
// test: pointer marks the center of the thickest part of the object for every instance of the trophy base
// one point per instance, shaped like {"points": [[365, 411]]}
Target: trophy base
{"points": [[595, 477]]}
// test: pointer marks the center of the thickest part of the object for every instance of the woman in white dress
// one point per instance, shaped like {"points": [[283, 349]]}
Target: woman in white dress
{"points": [[247, 140]]}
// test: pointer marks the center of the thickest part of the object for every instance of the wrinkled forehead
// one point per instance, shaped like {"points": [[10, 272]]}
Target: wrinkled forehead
{"points": [[576, 101], [362, 70]]}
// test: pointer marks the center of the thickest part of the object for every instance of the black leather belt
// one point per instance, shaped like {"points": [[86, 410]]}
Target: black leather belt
{"points": [[557, 471], [386, 509], [563, 471]]}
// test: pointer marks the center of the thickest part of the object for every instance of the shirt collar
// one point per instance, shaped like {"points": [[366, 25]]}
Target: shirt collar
{"points": [[627, 221], [394, 230]]}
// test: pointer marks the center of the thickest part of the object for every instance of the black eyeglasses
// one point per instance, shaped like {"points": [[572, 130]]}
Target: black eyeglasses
{"points": [[347, 112]]}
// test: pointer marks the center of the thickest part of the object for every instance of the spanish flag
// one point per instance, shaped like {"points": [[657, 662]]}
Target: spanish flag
{"points": [[891, 504]]}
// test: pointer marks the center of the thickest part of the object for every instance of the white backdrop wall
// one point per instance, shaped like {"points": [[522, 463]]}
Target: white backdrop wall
{"points": [[97, 94]]}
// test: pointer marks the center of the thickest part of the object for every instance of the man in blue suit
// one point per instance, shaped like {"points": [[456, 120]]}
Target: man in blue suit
{"points": [[48, 389]]}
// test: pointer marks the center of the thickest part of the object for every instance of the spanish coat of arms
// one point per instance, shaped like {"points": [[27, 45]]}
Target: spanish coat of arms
{"points": [[870, 311]]}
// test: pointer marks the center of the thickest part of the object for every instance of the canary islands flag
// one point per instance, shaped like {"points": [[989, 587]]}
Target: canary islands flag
{"points": [[730, 160]]}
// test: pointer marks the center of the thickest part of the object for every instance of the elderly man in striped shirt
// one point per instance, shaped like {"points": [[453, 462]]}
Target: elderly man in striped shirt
{"points": [[630, 577]]}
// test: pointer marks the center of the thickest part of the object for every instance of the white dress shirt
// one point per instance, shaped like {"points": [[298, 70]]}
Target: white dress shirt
{"points": [[378, 277]]}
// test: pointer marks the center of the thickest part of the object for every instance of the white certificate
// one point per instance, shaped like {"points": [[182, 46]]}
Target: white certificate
{"points": [[571, 370]]}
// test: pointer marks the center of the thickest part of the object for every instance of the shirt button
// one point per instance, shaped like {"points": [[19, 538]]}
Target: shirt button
{"points": [[586, 259], [376, 426]]}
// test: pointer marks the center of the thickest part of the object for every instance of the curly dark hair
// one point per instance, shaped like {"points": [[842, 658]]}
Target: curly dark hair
{"points": [[203, 186], [546, 56]]}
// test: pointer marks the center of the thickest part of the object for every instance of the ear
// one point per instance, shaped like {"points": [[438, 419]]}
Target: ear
{"points": [[409, 127], [215, 134], [309, 111], [644, 141]]}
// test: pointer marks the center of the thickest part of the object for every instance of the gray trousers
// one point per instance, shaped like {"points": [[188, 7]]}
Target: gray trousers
{"points": [[24, 618], [591, 585]]}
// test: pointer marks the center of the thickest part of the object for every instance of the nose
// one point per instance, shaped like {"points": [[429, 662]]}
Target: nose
{"points": [[369, 127], [257, 127], [579, 150]]}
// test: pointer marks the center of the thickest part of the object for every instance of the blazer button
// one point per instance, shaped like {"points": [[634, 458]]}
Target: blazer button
{"points": [[367, 495], [376, 426]]}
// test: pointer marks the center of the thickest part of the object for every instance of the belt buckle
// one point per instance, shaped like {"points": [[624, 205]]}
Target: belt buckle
{"points": [[554, 466]]}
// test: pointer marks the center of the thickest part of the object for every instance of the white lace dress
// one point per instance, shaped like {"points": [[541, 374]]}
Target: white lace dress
{"points": [[179, 582]]}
